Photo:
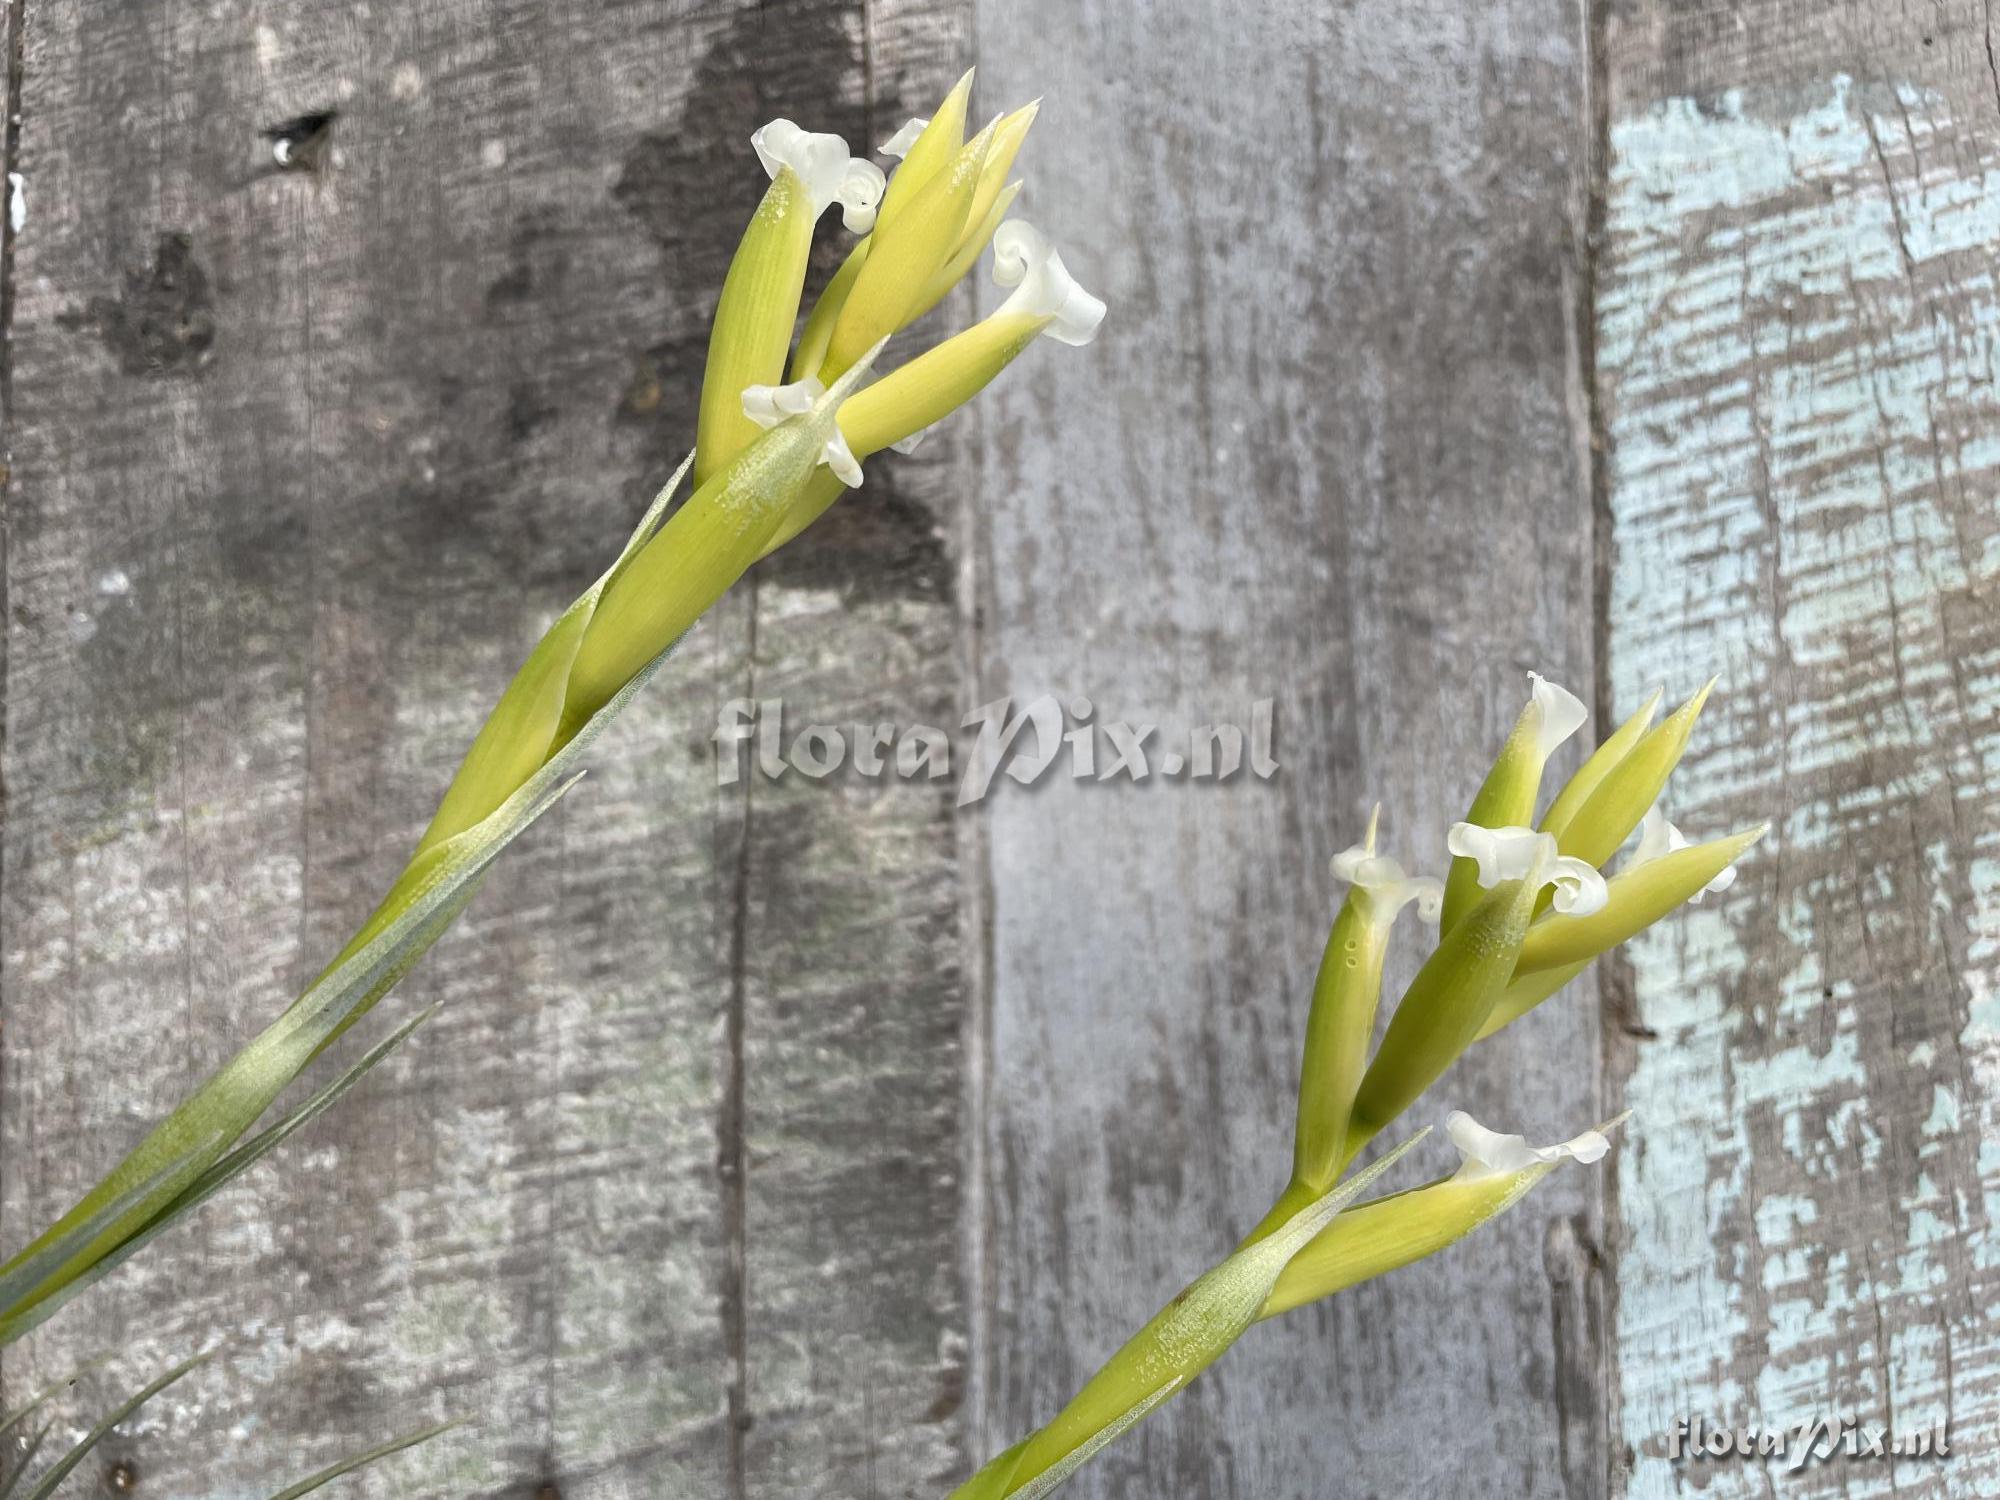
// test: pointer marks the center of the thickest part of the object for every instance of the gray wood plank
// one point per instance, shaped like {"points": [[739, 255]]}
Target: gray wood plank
{"points": [[1797, 333], [1327, 452], [304, 461]]}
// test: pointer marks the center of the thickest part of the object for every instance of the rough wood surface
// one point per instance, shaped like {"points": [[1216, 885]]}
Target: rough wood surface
{"points": [[303, 461], [816, 1137], [1798, 326], [1326, 453]]}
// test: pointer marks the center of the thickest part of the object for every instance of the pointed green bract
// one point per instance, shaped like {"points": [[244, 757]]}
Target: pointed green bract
{"points": [[225, 1171], [1599, 764], [754, 319], [1636, 899], [1629, 788], [1441, 1012], [904, 257], [936, 146], [703, 548], [1506, 799]]}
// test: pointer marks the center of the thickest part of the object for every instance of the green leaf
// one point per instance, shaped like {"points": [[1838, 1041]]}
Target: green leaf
{"points": [[426, 900], [46, 1485], [348, 1465], [208, 1184]]}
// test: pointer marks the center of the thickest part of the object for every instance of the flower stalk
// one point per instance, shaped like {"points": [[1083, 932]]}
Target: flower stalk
{"points": [[769, 458], [1534, 910]]}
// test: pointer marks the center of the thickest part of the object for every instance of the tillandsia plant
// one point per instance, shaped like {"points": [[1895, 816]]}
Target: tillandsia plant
{"points": [[1523, 909], [783, 427]]}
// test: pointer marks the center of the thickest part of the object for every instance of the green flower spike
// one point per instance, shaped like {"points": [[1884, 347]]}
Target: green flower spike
{"points": [[754, 490], [1495, 1172]]}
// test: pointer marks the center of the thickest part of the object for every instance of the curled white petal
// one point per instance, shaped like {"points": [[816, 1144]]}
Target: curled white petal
{"points": [[1488, 1153], [913, 442], [1503, 853], [860, 194], [1658, 837], [768, 405], [1580, 890], [898, 145], [1026, 259], [840, 458], [1389, 889], [1562, 712], [824, 166]]}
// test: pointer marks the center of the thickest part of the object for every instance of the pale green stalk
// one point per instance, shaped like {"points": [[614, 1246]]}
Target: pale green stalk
{"points": [[1182, 1339]]}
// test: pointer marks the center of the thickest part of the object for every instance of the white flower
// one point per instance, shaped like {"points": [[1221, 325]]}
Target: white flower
{"points": [[829, 173], [768, 405], [1025, 259], [1487, 1153], [1389, 889], [1561, 713], [898, 145], [1524, 854], [1658, 837]]}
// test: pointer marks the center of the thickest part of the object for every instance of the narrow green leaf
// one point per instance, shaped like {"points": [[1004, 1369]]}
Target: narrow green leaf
{"points": [[46, 1485], [29, 1450], [346, 1466], [47, 1393], [211, 1182], [428, 898]]}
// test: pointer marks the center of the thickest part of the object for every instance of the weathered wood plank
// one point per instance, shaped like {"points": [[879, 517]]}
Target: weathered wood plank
{"points": [[1798, 340], [305, 460], [1325, 453]]}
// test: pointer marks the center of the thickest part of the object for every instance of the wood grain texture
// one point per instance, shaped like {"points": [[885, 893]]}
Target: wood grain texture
{"points": [[1326, 452], [304, 461], [1799, 335]]}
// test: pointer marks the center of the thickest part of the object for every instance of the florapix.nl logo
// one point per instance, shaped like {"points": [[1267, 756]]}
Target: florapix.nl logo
{"points": [[1046, 737]]}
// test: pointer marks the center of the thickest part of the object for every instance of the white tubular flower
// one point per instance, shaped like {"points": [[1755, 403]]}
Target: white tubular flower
{"points": [[1487, 1153], [829, 173], [1389, 889], [768, 405], [1562, 712], [1658, 837], [1524, 854], [898, 145], [1025, 259]]}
